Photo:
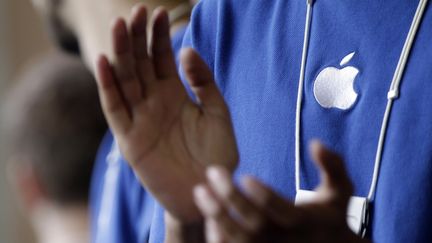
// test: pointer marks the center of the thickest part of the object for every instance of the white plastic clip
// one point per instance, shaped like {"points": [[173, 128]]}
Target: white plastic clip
{"points": [[357, 211], [393, 94]]}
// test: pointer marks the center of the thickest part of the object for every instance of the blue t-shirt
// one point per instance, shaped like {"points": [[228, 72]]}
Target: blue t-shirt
{"points": [[254, 49], [121, 209]]}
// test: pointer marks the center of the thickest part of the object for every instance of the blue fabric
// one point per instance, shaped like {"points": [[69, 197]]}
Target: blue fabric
{"points": [[254, 49], [121, 209]]}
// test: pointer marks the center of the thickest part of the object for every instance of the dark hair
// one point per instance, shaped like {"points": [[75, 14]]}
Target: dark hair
{"points": [[54, 121], [59, 31], [62, 35]]}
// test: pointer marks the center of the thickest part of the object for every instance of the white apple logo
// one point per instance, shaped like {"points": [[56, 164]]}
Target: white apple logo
{"points": [[334, 88]]}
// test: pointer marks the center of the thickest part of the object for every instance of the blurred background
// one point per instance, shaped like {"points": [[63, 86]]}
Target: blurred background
{"points": [[22, 39]]}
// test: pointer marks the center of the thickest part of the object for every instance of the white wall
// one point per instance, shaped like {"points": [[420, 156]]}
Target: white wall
{"points": [[5, 203], [4, 51], [21, 38]]}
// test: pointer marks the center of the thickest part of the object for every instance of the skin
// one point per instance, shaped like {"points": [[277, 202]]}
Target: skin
{"points": [[166, 137], [264, 216], [51, 221], [88, 21], [169, 140], [142, 97]]}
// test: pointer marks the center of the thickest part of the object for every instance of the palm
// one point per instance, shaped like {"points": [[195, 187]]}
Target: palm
{"points": [[172, 133], [167, 138]]}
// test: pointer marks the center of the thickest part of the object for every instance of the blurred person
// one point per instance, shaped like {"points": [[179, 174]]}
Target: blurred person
{"points": [[83, 27], [261, 42], [53, 125], [121, 209]]}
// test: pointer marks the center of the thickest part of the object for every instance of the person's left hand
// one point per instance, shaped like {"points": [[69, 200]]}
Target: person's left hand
{"points": [[260, 215], [166, 137]]}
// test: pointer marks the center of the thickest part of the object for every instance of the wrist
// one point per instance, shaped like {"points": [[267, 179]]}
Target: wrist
{"points": [[178, 231]]}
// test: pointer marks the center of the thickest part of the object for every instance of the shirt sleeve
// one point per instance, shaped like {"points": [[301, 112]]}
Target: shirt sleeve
{"points": [[201, 33]]}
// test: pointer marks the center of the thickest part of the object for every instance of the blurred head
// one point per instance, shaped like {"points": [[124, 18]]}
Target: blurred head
{"points": [[53, 125]]}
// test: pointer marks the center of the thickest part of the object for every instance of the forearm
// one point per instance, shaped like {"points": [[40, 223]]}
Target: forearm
{"points": [[91, 20]]}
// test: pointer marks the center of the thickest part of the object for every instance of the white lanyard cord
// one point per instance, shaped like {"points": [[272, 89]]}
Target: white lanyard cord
{"points": [[392, 94], [300, 92]]}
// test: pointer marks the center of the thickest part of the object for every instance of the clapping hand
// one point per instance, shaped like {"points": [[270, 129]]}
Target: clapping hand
{"points": [[168, 139], [258, 214]]}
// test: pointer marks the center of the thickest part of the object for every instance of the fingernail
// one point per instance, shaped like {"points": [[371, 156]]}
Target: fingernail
{"points": [[219, 180], [205, 201]]}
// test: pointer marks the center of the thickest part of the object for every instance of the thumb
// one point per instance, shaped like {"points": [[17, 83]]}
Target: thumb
{"points": [[201, 81], [335, 187]]}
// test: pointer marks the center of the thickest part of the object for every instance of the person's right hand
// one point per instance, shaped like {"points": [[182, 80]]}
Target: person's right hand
{"points": [[167, 138], [259, 214]]}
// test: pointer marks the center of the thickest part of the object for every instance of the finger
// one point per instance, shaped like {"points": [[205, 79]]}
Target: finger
{"points": [[201, 81], [138, 27], [335, 183], [162, 53], [250, 217], [213, 232], [113, 105], [212, 209], [279, 209], [124, 63]]}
